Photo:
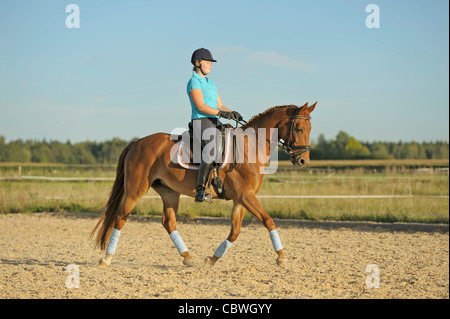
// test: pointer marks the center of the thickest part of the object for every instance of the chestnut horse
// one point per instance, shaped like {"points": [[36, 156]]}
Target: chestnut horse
{"points": [[147, 163]]}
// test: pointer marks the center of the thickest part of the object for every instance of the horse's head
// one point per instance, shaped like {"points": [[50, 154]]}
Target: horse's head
{"points": [[295, 134]]}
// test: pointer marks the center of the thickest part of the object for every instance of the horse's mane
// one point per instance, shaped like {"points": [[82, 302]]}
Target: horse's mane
{"points": [[269, 110]]}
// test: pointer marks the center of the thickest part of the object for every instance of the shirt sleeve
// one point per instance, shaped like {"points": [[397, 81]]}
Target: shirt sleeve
{"points": [[193, 84]]}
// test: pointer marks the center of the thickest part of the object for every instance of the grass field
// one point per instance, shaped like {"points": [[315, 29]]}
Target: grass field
{"points": [[409, 191]]}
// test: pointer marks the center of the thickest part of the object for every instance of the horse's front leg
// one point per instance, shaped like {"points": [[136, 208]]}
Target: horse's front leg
{"points": [[251, 203], [237, 216]]}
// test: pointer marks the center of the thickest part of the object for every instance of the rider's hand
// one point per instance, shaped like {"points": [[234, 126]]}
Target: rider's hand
{"points": [[237, 116], [230, 115]]}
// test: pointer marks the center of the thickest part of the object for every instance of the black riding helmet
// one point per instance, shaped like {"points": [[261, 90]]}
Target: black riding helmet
{"points": [[202, 54]]}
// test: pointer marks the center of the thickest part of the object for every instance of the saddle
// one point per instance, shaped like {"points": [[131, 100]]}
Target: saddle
{"points": [[225, 155]]}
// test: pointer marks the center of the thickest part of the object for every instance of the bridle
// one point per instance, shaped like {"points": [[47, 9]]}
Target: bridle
{"points": [[294, 150]]}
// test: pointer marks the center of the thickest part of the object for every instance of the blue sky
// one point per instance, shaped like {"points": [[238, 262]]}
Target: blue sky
{"points": [[123, 73]]}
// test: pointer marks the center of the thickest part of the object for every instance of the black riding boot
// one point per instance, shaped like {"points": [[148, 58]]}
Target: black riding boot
{"points": [[202, 178]]}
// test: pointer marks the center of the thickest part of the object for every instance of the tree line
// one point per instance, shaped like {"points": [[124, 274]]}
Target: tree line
{"points": [[44, 151], [343, 146]]}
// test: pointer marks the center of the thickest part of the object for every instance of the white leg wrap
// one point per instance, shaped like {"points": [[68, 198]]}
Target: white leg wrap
{"points": [[276, 242], [223, 248], [111, 249], [178, 241]]}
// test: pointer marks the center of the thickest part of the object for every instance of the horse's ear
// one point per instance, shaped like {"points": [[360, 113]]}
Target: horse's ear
{"points": [[304, 107], [311, 108]]}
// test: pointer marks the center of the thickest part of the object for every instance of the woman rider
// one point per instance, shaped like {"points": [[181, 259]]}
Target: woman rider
{"points": [[207, 108]]}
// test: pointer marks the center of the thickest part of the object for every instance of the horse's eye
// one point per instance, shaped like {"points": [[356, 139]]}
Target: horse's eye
{"points": [[299, 130]]}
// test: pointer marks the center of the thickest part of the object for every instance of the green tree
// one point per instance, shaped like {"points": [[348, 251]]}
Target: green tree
{"points": [[63, 153], [41, 152], [380, 151], [355, 150], [338, 148], [2, 149], [442, 151], [321, 149], [17, 152], [83, 155]]}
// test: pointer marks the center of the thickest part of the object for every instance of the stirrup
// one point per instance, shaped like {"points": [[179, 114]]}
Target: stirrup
{"points": [[204, 197]]}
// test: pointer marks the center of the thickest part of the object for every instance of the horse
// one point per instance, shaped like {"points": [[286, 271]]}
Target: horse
{"points": [[147, 163]]}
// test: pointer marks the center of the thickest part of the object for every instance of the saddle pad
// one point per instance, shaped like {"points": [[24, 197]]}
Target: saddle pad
{"points": [[184, 155]]}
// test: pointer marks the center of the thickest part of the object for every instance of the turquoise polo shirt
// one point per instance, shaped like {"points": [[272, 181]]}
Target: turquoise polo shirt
{"points": [[209, 91]]}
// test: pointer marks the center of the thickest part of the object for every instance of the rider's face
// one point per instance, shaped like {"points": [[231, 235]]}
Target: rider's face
{"points": [[206, 66]]}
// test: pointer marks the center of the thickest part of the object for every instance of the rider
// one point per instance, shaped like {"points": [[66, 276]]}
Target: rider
{"points": [[207, 108]]}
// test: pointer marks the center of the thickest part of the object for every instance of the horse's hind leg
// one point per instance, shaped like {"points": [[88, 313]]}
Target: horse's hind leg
{"points": [[125, 209], [171, 200], [134, 188]]}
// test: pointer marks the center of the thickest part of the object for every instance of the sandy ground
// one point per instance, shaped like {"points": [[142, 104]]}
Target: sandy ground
{"points": [[36, 249]]}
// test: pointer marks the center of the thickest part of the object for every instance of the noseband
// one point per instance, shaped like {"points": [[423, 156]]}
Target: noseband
{"points": [[294, 150]]}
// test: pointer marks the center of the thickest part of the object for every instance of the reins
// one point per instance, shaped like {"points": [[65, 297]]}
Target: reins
{"points": [[286, 146]]}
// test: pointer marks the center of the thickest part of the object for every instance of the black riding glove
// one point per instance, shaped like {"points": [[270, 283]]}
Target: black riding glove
{"points": [[237, 116], [230, 115]]}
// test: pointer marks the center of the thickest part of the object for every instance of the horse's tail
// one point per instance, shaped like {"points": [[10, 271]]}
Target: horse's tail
{"points": [[111, 210]]}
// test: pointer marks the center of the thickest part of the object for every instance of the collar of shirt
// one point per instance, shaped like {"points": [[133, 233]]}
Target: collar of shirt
{"points": [[200, 77]]}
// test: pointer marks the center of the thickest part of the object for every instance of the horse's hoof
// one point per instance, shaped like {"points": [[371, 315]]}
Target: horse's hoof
{"points": [[282, 262], [189, 262], [209, 262], [103, 263]]}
